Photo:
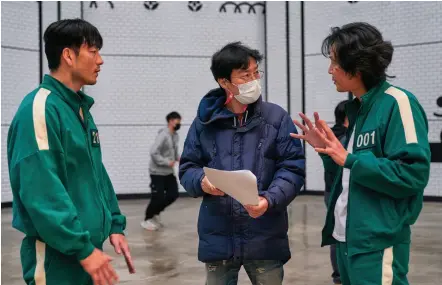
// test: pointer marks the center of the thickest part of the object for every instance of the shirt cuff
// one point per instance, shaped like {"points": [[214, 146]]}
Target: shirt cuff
{"points": [[117, 229], [269, 200], [351, 159], [85, 251]]}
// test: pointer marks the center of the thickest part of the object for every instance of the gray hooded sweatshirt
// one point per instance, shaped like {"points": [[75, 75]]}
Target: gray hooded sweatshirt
{"points": [[163, 151]]}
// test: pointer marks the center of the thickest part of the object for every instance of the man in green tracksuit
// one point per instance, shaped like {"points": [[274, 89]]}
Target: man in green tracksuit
{"points": [[384, 165], [63, 199]]}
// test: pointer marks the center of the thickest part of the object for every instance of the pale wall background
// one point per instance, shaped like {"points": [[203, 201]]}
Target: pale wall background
{"points": [[158, 60]]}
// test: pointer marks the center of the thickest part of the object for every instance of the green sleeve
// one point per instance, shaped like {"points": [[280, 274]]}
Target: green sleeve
{"points": [[41, 180], [329, 165], [118, 219], [404, 169]]}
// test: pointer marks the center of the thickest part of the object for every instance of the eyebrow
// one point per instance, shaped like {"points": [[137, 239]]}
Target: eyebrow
{"points": [[248, 70]]}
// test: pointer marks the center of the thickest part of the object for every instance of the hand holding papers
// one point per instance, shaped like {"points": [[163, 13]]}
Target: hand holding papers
{"points": [[240, 185], [209, 188]]}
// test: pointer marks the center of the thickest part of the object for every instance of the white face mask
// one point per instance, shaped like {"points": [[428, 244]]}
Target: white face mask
{"points": [[249, 92]]}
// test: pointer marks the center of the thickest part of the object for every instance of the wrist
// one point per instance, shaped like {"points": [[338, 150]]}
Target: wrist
{"points": [[266, 196], [266, 203], [200, 184], [85, 251]]}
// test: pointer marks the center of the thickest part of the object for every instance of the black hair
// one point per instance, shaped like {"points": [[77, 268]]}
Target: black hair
{"points": [[69, 33], [232, 56], [340, 112], [360, 47], [172, 116]]}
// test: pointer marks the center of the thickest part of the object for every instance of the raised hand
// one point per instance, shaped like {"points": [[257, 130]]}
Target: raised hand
{"points": [[333, 146], [314, 138]]}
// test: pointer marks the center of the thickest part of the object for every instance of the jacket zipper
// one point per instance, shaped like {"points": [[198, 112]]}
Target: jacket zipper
{"points": [[259, 162], [232, 239], [86, 124]]}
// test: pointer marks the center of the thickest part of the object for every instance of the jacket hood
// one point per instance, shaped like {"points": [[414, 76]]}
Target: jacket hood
{"points": [[212, 106]]}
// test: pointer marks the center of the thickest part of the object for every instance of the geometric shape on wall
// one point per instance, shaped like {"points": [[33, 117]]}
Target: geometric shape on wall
{"points": [[195, 6], [151, 5], [95, 5], [237, 7]]}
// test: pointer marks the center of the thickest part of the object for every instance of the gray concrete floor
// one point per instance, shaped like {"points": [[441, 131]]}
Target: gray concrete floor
{"points": [[170, 256]]}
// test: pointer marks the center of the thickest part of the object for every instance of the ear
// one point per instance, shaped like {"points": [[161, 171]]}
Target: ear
{"points": [[223, 82], [358, 75], [68, 56]]}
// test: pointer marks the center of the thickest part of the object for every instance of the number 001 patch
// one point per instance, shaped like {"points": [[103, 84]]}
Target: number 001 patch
{"points": [[366, 139], [95, 138]]}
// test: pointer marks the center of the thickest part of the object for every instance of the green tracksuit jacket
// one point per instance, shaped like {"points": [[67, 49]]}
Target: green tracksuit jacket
{"points": [[62, 194], [389, 169]]}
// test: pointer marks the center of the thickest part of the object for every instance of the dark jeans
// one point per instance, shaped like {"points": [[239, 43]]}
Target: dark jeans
{"points": [[164, 191], [335, 275], [260, 272]]}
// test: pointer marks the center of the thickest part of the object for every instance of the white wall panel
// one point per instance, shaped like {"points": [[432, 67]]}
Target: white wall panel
{"points": [[49, 15], [20, 24], [295, 56], [173, 29], [277, 89], [143, 90], [402, 22], [71, 9], [20, 68]]}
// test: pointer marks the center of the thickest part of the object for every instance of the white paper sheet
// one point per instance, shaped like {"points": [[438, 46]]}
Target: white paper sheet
{"points": [[240, 184]]}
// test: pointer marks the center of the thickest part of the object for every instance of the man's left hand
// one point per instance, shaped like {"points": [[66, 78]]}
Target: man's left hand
{"points": [[333, 146], [118, 241], [259, 210]]}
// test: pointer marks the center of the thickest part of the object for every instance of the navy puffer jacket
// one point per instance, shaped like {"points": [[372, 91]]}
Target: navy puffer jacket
{"points": [[262, 145]]}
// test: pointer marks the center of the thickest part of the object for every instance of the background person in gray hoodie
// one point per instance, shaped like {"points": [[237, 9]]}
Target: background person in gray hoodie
{"points": [[164, 186]]}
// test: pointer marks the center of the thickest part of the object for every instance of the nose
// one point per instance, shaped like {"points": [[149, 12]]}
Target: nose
{"points": [[99, 59], [330, 69]]}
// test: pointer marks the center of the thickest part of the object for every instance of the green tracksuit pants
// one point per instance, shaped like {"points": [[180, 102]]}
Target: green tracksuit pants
{"points": [[43, 265], [384, 267]]}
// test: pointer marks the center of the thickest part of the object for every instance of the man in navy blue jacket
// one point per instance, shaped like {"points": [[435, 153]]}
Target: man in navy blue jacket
{"points": [[234, 130]]}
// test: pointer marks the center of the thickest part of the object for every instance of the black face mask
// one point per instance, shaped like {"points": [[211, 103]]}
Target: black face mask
{"points": [[177, 127]]}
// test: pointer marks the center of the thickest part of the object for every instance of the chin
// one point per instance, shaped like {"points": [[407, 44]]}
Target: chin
{"points": [[340, 89], [91, 82]]}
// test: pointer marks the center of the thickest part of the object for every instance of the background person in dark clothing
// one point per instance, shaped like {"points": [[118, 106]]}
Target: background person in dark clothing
{"points": [[339, 129], [164, 186]]}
